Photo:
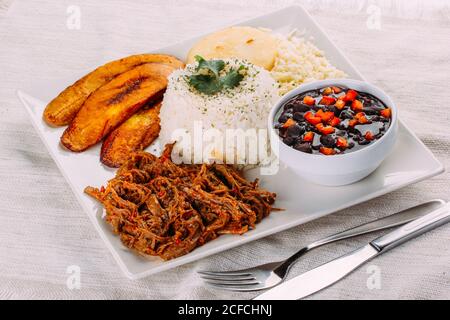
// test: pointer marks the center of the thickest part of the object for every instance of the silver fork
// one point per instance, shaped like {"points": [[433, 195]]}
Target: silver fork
{"points": [[270, 274]]}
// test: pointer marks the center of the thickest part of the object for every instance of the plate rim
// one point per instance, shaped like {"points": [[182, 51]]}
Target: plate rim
{"points": [[276, 229]]}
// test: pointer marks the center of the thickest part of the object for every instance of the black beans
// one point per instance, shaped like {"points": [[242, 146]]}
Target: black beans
{"points": [[375, 118], [347, 114], [340, 126], [331, 108], [378, 136], [284, 117], [304, 147], [298, 116], [289, 140], [370, 111], [295, 130], [300, 107], [328, 141], [358, 138], [288, 105], [296, 105]]}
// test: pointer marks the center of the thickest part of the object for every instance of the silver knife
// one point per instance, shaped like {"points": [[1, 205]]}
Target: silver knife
{"points": [[331, 272]]}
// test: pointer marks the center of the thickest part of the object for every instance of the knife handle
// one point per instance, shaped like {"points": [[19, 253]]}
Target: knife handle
{"points": [[413, 229]]}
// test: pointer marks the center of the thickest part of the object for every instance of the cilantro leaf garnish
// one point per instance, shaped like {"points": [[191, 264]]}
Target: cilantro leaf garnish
{"points": [[205, 83], [208, 79], [232, 78], [215, 66]]}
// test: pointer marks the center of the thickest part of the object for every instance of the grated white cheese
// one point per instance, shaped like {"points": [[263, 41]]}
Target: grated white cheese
{"points": [[299, 61]]}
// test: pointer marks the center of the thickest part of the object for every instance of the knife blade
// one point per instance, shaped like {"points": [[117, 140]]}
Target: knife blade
{"points": [[320, 277], [331, 272]]}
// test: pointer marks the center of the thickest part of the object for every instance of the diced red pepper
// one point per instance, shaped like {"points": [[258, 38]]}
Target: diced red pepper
{"points": [[309, 136], [368, 136], [288, 123], [327, 91], [309, 100], [325, 116], [328, 130], [386, 113], [341, 143], [351, 95], [326, 100], [340, 104], [357, 106], [361, 117], [312, 118], [336, 90], [327, 151], [334, 121], [352, 122], [324, 129], [319, 113]]}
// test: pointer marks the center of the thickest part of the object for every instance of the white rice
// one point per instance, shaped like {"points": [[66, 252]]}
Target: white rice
{"points": [[245, 107]]}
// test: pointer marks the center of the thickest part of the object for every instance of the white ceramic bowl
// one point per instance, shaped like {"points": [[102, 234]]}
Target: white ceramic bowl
{"points": [[340, 169]]}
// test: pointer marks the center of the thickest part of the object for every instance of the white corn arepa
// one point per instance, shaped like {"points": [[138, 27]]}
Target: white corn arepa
{"points": [[254, 45]]}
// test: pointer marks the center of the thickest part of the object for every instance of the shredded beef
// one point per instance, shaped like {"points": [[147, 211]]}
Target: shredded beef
{"points": [[162, 209]]}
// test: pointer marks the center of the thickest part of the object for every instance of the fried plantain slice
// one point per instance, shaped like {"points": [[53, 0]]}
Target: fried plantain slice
{"points": [[61, 110], [115, 102], [135, 134]]}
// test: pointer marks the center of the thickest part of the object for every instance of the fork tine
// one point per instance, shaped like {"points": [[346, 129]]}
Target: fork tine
{"points": [[224, 273], [233, 282], [235, 287], [226, 277]]}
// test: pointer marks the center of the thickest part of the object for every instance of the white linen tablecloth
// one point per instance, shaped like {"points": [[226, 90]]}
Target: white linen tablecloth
{"points": [[43, 228]]}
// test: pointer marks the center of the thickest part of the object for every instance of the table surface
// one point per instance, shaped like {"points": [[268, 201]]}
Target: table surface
{"points": [[45, 233]]}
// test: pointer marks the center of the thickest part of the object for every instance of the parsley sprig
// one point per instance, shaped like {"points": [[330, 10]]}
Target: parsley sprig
{"points": [[209, 78]]}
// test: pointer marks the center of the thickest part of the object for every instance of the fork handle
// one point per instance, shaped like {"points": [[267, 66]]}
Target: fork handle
{"points": [[390, 221], [393, 220]]}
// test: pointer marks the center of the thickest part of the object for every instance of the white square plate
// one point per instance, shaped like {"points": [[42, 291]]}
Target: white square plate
{"points": [[303, 201]]}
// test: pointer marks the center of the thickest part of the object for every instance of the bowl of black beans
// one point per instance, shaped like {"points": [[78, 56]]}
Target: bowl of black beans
{"points": [[333, 132]]}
